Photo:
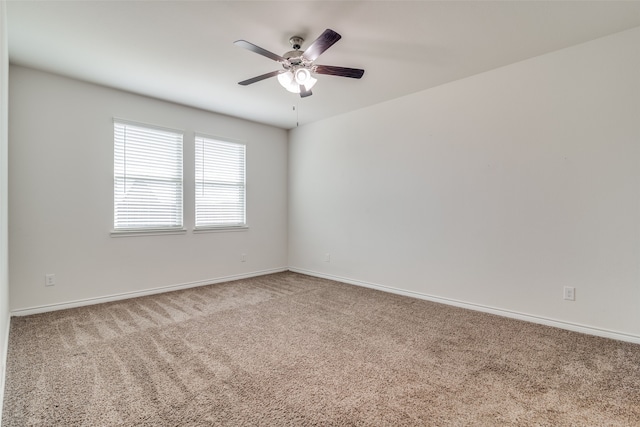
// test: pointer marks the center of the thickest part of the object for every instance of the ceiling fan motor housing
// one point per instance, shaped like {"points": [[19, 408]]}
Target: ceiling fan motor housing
{"points": [[294, 57]]}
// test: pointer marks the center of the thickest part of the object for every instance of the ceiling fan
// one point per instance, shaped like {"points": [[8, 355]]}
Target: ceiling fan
{"points": [[298, 66]]}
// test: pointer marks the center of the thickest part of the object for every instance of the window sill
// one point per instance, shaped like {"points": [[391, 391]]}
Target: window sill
{"points": [[220, 229], [152, 232]]}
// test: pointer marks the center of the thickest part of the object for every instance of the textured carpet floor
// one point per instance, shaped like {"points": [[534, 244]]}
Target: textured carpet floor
{"points": [[288, 349]]}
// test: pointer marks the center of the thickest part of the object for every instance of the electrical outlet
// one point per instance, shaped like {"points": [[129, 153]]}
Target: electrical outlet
{"points": [[49, 279], [243, 258], [569, 293], [327, 257]]}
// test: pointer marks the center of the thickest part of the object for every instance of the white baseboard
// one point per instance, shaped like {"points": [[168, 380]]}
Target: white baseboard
{"points": [[478, 307], [471, 306], [126, 295]]}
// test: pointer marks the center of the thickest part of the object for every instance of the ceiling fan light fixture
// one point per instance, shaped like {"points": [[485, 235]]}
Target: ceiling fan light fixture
{"points": [[292, 80]]}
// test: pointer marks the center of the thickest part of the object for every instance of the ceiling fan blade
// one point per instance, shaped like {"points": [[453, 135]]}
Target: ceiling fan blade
{"points": [[257, 49], [354, 73], [304, 92], [322, 43], [259, 78]]}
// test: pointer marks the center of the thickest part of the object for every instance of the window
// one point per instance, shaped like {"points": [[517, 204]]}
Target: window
{"points": [[220, 183], [147, 178]]}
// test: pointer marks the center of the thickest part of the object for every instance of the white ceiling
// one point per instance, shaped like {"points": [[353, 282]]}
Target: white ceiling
{"points": [[183, 51]]}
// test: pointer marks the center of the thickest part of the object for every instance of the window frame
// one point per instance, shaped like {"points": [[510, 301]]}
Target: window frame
{"points": [[145, 231], [221, 227]]}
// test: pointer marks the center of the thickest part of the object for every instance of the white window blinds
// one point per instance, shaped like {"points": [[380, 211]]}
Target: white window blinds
{"points": [[220, 183], [147, 178]]}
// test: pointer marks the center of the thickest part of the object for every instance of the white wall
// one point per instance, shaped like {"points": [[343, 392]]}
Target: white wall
{"points": [[496, 190], [4, 236], [61, 196]]}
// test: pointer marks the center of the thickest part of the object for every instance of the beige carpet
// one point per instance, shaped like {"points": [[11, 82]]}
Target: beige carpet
{"points": [[288, 349]]}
